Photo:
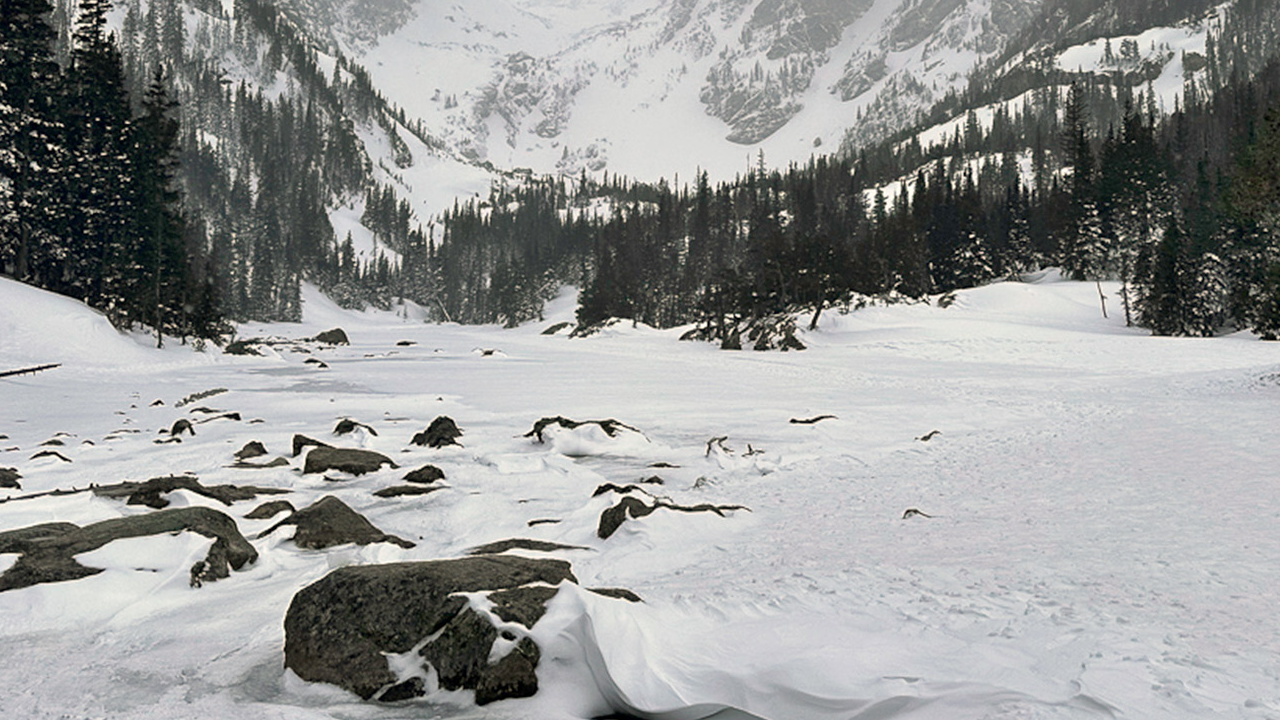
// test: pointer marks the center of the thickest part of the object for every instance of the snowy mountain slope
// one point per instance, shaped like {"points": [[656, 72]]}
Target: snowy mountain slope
{"points": [[656, 87], [1101, 543]]}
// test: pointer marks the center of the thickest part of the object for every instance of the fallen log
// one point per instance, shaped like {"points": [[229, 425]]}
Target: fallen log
{"points": [[28, 371]]}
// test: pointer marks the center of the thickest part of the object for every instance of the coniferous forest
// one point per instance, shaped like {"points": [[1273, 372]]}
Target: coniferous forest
{"points": [[1091, 177], [114, 193]]}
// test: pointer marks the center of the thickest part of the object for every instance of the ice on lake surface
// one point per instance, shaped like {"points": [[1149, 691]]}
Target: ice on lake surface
{"points": [[1102, 543]]}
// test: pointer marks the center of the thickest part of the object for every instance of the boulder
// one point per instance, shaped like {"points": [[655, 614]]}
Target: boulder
{"points": [[335, 336], [425, 474], [348, 460], [251, 449], [273, 463], [180, 426], [9, 478], [302, 441], [347, 426], [48, 551], [402, 490], [329, 522], [501, 546], [270, 509], [442, 431], [338, 629]]}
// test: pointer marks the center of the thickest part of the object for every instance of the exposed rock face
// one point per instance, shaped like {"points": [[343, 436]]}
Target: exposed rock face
{"points": [[48, 551], [337, 629], [442, 431], [151, 492], [335, 336], [331, 522], [348, 460], [9, 478]]}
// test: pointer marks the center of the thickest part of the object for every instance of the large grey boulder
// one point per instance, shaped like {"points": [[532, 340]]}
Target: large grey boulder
{"points": [[48, 551], [338, 629], [329, 522], [348, 460]]}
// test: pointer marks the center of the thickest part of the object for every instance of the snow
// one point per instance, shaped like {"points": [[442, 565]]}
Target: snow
{"points": [[1102, 540]]}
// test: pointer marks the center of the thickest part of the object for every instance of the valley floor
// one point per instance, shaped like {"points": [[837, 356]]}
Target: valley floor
{"points": [[1104, 539]]}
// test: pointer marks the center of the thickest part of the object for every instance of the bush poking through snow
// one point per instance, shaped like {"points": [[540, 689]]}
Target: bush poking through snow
{"points": [[611, 427], [635, 508]]}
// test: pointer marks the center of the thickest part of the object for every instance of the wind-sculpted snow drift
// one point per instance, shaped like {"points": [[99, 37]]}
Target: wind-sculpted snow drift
{"points": [[1100, 540]]}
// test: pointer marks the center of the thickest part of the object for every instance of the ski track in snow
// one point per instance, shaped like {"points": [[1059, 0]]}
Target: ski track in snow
{"points": [[1103, 541]]}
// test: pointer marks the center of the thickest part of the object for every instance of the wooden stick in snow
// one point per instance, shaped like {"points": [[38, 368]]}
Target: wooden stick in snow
{"points": [[26, 371]]}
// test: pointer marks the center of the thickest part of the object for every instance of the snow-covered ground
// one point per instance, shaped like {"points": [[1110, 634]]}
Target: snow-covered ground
{"points": [[1104, 536]]}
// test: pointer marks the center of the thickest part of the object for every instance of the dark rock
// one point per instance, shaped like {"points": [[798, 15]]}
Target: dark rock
{"points": [[348, 460], [663, 465], [610, 426], [48, 551], [52, 442], [406, 343], [52, 454], [514, 676], [331, 522], [929, 435], [302, 441], [9, 478], [320, 364], [224, 416], [524, 605], [442, 431], [813, 420], [157, 403], [274, 463], [346, 426], [335, 336], [501, 546], [180, 426], [251, 449], [407, 690], [270, 509], [167, 441], [150, 493], [337, 629], [205, 410], [241, 347], [425, 474], [544, 521], [634, 508], [461, 653], [619, 489], [617, 593], [402, 490], [557, 328]]}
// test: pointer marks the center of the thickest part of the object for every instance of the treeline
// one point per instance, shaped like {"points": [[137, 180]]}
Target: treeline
{"points": [[1180, 208], [87, 179]]}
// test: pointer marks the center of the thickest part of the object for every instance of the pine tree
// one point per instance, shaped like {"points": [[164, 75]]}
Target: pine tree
{"points": [[30, 147]]}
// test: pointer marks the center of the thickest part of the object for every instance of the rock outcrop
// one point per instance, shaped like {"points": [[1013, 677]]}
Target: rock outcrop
{"points": [[329, 522], [339, 629], [348, 460], [47, 552]]}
